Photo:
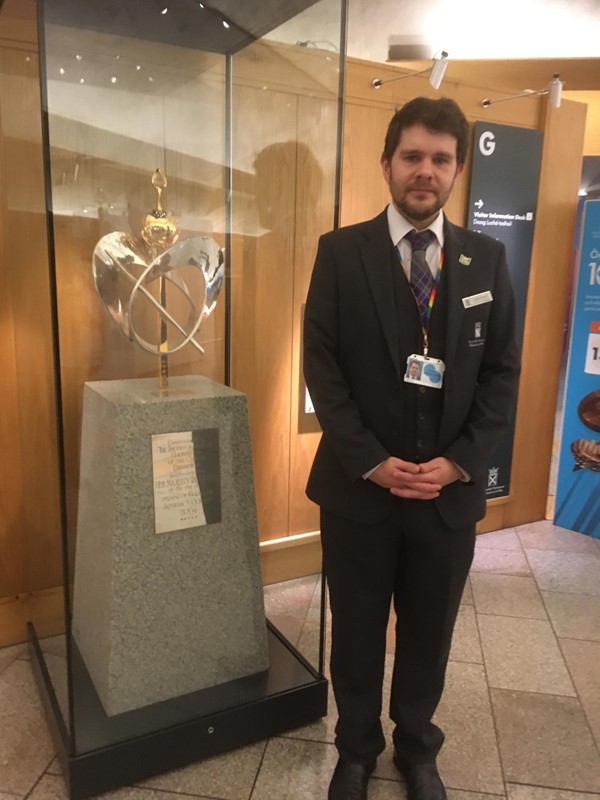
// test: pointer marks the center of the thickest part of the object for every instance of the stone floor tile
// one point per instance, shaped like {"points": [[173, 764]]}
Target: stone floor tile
{"points": [[544, 535], [229, 776], [385, 767], [554, 571], [574, 616], [507, 595], [500, 562], [316, 598], [520, 792], [25, 745], [523, 654], [4, 796], [290, 626], [469, 759], [290, 598], [295, 770], [10, 654], [54, 645], [385, 790], [52, 787], [55, 767], [583, 661], [390, 635], [467, 597], [545, 740], [57, 670], [323, 730], [458, 794], [505, 539], [465, 641], [309, 640]]}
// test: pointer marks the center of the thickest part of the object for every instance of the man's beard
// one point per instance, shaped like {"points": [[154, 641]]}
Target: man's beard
{"points": [[419, 213]]}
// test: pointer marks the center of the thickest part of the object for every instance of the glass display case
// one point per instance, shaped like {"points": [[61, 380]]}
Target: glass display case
{"points": [[190, 161]]}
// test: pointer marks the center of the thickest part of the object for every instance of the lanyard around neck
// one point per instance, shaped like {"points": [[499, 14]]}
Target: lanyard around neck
{"points": [[425, 318]]}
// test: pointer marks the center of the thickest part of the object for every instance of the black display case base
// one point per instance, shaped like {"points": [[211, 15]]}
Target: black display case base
{"points": [[103, 753]]}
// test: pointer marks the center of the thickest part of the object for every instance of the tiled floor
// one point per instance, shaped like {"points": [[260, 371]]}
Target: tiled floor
{"points": [[521, 709]]}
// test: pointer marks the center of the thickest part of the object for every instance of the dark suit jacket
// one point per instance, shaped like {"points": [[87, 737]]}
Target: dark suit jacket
{"points": [[355, 352]]}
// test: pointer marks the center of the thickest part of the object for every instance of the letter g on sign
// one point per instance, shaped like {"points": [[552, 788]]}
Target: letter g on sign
{"points": [[487, 145]]}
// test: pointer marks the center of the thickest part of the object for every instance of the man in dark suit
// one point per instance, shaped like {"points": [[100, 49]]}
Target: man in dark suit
{"points": [[399, 472]]}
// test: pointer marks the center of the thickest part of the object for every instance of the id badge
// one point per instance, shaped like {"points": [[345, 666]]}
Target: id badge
{"points": [[425, 371]]}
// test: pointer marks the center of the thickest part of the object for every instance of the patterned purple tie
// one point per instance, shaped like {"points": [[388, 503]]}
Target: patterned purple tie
{"points": [[421, 279]]}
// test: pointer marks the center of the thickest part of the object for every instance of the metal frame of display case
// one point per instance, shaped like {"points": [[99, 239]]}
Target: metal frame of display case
{"points": [[290, 694]]}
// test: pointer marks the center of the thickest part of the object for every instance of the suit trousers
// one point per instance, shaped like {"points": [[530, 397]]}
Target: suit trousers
{"points": [[415, 561]]}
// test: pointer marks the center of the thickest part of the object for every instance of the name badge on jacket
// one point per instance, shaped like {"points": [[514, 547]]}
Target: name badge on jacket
{"points": [[477, 299]]}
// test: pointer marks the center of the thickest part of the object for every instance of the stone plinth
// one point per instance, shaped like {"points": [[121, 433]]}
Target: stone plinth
{"points": [[158, 615]]}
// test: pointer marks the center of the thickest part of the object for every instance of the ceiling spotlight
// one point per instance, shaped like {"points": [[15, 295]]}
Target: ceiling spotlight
{"points": [[553, 90], [436, 72], [164, 11], [138, 67], [62, 71], [113, 79], [79, 57], [225, 24], [81, 80]]}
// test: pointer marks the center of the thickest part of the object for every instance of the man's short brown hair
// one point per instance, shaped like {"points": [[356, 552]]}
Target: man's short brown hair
{"points": [[442, 116]]}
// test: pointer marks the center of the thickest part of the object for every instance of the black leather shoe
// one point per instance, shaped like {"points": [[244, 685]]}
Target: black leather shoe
{"points": [[423, 781], [349, 781]]}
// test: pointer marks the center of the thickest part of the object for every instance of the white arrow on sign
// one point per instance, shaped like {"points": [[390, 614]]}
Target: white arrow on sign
{"points": [[478, 203]]}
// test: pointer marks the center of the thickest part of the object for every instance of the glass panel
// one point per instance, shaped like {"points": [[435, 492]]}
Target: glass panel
{"points": [[121, 107], [142, 100], [285, 114], [31, 577]]}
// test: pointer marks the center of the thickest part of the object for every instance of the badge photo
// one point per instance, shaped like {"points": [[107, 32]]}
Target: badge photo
{"points": [[424, 371]]}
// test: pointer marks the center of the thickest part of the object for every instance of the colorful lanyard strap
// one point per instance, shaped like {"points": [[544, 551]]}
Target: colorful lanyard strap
{"points": [[434, 289], [427, 317]]}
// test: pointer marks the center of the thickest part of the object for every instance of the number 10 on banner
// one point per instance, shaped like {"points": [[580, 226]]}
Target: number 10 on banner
{"points": [[592, 356]]}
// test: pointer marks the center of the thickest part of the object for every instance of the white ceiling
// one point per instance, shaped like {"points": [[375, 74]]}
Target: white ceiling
{"points": [[473, 29]]}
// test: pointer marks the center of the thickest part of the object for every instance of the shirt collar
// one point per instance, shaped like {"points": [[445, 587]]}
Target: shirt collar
{"points": [[399, 226]]}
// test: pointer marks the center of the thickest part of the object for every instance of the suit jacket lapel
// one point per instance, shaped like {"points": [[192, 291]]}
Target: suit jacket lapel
{"points": [[376, 253]]}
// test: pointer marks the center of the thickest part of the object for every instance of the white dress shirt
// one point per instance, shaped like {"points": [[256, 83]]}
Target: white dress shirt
{"points": [[399, 227]]}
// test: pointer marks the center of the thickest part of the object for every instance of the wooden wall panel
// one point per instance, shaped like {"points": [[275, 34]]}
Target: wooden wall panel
{"points": [[591, 142], [262, 289], [364, 190], [315, 197], [547, 302], [32, 509], [284, 145], [12, 552]]}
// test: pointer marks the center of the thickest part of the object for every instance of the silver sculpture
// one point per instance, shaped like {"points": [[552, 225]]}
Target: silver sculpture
{"points": [[157, 255]]}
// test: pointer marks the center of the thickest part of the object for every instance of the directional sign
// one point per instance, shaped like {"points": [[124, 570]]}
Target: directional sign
{"points": [[503, 204]]}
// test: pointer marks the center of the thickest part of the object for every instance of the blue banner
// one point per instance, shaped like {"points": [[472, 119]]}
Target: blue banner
{"points": [[578, 487]]}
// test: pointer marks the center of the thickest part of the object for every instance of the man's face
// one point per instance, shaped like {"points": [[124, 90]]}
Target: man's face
{"points": [[413, 369], [421, 173]]}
